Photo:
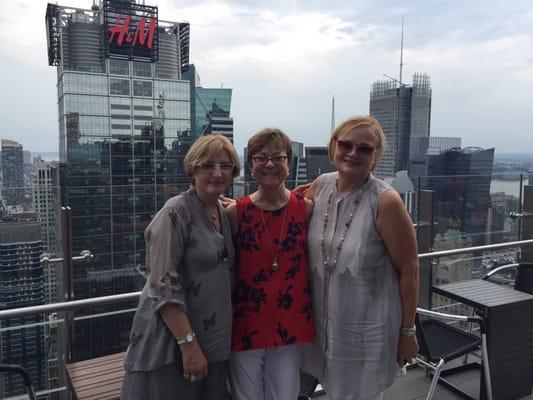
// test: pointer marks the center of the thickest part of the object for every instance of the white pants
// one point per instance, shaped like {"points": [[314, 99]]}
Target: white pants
{"points": [[266, 374]]}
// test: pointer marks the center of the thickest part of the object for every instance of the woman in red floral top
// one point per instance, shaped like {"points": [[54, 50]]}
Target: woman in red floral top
{"points": [[271, 300]]}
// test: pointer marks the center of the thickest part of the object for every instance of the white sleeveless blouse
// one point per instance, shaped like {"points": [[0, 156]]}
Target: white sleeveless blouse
{"points": [[357, 306]]}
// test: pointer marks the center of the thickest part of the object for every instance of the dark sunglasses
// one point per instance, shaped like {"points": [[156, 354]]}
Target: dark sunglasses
{"points": [[346, 147]]}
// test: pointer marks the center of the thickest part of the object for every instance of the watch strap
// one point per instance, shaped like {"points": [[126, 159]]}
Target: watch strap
{"points": [[187, 338]]}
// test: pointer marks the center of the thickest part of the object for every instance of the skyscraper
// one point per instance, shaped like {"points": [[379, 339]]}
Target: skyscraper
{"points": [[404, 113], [461, 180], [317, 161], [21, 285], [45, 189], [12, 172], [210, 107], [124, 115]]}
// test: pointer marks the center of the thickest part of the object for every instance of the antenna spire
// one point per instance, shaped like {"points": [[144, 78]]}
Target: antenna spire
{"points": [[332, 113], [401, 56]]}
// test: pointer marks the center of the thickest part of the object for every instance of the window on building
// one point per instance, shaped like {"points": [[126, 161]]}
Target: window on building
{"points": [[119, 67], [142, 69], [119, 86], [142, 88]]}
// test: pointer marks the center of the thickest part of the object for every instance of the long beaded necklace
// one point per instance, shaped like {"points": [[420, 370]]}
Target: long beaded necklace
{"points": [[330, 264], [275, 264]]}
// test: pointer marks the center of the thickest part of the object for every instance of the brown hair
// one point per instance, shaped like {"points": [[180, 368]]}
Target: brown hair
{"points": [[267, 136], [206, 148], [355, 122]]}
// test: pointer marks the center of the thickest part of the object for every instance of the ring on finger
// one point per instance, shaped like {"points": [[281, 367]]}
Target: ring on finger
{"points": [[193, 378]]}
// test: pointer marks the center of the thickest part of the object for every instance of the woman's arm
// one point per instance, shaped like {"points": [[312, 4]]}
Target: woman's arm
{"points": [[194, 361], [166, 239], [308, 190], [398, 234]]}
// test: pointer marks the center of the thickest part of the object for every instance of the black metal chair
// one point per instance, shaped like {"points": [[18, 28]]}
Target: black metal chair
{"points": [[523, 277], [17, 369], [441, 342]]}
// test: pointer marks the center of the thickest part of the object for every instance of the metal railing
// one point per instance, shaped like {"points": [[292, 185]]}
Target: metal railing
{"points": [[125, 297]]}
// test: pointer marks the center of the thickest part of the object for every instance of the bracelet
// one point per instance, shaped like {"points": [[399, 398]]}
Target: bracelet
{"points": [[408, 331], [188, 338]]}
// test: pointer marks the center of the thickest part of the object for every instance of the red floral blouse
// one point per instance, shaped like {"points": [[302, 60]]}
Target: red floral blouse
{"points": [[271, 304]]}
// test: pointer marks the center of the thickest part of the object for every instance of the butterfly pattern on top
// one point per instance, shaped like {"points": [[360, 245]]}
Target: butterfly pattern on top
{"points": [[271, 307]]}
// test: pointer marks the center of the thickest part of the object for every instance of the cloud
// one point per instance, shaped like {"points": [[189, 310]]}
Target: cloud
{"points": [[285, 60]]}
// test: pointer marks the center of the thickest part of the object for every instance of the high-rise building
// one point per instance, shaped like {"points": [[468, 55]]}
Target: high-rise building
{"points": [[317, 162], [21, 285], [124, 115], [440, 144], [12, 172], [404, 113], [45, 190], [210, 107], [461, 180]]}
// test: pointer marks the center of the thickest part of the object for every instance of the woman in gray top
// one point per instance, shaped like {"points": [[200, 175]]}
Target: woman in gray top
{"points": [[364, 270], [181, 334]]}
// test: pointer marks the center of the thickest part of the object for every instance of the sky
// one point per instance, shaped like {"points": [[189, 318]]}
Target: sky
{"points": [[285, 60]]}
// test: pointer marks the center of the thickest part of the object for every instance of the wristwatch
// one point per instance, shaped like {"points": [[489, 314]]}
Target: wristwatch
{"points": [[408, 331], [188, 338]]}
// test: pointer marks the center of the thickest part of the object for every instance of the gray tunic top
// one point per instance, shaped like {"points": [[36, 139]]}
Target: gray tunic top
{"points": [[191, 266], [357, 306]]}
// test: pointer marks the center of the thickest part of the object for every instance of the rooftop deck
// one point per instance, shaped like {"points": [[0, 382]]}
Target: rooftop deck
{"points": [[448, 257]]}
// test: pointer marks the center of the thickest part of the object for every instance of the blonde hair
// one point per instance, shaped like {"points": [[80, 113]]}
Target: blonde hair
{"points": [[355, 122], [206, 148]]}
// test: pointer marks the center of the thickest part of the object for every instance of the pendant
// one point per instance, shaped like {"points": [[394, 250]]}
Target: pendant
{"points": [[275, 266]]}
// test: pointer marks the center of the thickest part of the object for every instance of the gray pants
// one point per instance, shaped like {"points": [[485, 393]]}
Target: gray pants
{"points": [[167, 383]]}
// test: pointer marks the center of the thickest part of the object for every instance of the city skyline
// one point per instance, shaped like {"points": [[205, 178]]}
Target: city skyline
{"points": [[289, 59]]}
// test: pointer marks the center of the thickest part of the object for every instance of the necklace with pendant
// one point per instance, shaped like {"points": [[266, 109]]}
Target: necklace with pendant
{"points": [[275, 265], [331, 263]]}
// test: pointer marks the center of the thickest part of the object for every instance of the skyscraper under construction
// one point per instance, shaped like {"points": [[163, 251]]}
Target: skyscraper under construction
{"points": [[404, 112]]}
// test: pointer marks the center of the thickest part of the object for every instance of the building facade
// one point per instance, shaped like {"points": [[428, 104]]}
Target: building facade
{"points": [[404, 113], [45, 195], [124, 117], [210, 107], [21, 285], [461, 180], [12, 172], [317, 162]]}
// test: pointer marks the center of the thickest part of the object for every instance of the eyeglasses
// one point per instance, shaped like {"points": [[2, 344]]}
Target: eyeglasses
{"points": [[262, 160], [346, 147], [225, 167]]}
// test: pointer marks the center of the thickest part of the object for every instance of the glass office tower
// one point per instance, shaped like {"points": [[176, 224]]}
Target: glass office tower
{"points": [[21, 285], [124, 128]]}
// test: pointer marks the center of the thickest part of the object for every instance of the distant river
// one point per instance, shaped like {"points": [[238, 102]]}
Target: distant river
{"points": [[509, 187]]}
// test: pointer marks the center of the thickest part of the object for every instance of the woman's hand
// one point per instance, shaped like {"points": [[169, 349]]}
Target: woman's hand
{"points": [[407, 349], [226, 201], [302, 188], [194, 361], [307, 190]]}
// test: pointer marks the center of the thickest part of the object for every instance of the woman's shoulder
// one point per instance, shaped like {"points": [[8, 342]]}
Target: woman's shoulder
{"points": [[182, 204], [328, 179], [324, 183], [378, 186], [243, 203]]}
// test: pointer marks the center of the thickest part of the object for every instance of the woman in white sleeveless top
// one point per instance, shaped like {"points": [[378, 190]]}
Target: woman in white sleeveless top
{"points": [[364, 270]]}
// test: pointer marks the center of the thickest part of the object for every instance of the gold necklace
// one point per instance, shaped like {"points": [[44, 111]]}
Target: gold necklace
{"points": [[275, 264]]}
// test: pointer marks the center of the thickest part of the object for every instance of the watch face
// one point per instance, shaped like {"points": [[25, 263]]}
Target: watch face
{"points": [[189, 337]]}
